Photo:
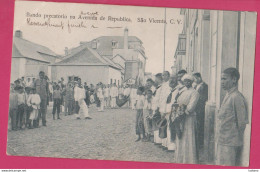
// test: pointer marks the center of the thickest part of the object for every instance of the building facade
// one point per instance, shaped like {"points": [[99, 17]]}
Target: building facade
{"points": [[29, 58], [88, 65], [210, 42], [127, 52]]}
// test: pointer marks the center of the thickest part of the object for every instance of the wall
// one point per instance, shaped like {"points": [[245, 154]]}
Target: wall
{"points": [[246, 68], [33, 67], [15, 69], [114, 75], [223, 41], [89, 74]]}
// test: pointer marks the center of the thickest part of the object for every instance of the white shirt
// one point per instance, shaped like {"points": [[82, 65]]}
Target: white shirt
{"points": [[166, 89], [133, 93], [155, 102], [100, 93], [34, 100], [114, 92], [106, 92], [127, 91], [79, 93]]}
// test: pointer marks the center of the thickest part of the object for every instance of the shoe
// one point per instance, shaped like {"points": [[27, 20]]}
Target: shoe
{"points": [[88, 118], [78, 117], [138, 140], [59, 118], [170, 151], [44, 125]]}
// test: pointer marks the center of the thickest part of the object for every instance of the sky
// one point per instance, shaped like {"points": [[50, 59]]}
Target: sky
{"points": [[56, 38]]}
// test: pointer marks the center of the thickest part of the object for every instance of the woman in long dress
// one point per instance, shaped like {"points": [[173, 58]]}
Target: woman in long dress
{"points": [[186, 145]]}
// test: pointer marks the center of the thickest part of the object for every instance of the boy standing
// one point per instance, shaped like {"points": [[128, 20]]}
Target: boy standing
{"points": [[139, 105], [233, 117], [33, 102], [56, 101], [21, 107]]}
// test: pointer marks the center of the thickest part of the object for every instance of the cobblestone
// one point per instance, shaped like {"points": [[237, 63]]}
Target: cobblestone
{"points": [[110, 135]]}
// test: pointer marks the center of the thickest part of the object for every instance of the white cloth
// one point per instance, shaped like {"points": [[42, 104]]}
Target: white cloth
{"points": [[186, 146], [106, 92], [156, 98], [100, 93], [79, 93], [187, 76], [34, 100], [83, 111], [127, 91], [166, 89], [114, 91], [113, 102], [157, 139]]}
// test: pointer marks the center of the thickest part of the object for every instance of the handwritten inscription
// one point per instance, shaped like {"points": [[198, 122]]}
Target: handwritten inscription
{"points": [[84, 18]]}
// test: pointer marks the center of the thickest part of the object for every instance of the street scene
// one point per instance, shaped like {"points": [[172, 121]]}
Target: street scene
{"points": [[156, 85], [115, 139]]}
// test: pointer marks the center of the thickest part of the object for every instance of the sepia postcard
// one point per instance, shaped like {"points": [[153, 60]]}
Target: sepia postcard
{"points": [[131, 83]]}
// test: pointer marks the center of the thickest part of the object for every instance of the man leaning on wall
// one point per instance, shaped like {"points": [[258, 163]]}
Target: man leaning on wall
{"points": [[233, 117]]}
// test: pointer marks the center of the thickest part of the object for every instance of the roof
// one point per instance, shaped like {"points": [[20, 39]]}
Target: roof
{"points": [[85, 56], [28, 49], [105, 46]]}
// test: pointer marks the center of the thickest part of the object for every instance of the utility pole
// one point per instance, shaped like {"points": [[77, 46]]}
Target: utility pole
{"points": [[164, 39]]}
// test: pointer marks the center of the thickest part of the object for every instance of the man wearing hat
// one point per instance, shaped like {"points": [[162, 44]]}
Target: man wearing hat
{"points": [[166, 89], [186, 149]]}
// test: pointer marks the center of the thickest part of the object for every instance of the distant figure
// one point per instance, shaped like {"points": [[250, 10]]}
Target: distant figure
{"points": [[113, 94], [202, 89], [69, 99], [133, 96], [56, 102], [100, 96], [80, 105], [148, 114], [233, 117]]}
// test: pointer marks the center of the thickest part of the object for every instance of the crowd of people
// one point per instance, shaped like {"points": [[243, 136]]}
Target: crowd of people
{"points": [[170, 110], [29, 99], [171, 114]]}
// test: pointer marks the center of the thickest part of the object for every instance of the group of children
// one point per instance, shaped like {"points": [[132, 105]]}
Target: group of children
{"points": [[24, 108]]}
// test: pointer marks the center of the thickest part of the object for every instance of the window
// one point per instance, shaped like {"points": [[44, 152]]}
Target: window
{"points": [[114, 44]]}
